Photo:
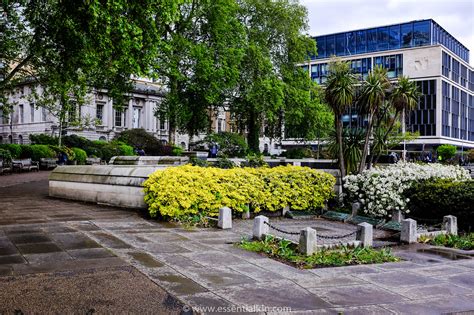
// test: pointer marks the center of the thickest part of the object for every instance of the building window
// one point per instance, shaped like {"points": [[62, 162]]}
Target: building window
{"points": [[21, 114], [118, 118], [137, 111], [20, 139], [99, 112], [32, 112], [43, 114], [422, 33], [162, 122]]}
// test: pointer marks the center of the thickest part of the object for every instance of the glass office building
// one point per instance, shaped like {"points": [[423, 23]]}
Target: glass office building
{"points": [[406, 35], [427, 54]]}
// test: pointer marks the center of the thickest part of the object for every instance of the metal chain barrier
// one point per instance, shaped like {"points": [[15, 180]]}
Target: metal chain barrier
{"points": [[424, 220], [280, 230], [329, 237], [336, 237]]}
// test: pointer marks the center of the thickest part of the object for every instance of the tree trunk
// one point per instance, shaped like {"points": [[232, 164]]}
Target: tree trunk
{"points": [[342, 165], [366, 145], [387, 133], [253, 133]]}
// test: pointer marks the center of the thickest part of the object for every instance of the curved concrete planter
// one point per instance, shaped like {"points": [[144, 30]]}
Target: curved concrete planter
{"points": [[106, 184]]}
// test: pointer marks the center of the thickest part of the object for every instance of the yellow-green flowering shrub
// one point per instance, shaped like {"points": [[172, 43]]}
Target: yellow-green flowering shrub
{"points": [[188, 190]]}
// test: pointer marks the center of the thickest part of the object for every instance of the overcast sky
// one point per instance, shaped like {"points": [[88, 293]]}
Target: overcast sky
{"points": [[332, 16]]}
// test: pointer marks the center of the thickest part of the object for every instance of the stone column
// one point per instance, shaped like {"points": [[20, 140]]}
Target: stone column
{"points": [[450, 224], [408, 233], [308, 241], [365, 234], [260, 229], [225, 218]]}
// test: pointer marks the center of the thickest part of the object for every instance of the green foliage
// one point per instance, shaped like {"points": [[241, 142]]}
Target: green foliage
{"points": [[435, 199], [255, 160], [470, 155], [15, 149], [465, 241], [198, 162], [176, 151], [140, 139], [43, 139], [230, 144], [298, 153], [71, 156], [342, 256], [80, 156], [270, 82], [352, 142], [446, 151], [37, 151], [184, 191], [5, 156], [224, 162]]}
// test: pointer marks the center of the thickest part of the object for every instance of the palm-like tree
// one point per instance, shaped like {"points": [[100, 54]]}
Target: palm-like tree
{"points": [[373, 94], [340, 94], [404, 98]]}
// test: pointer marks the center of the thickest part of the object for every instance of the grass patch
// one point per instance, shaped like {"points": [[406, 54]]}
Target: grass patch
{"points": [[286, 251], [465, 241]]}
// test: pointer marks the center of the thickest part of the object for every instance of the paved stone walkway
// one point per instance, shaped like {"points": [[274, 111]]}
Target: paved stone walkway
{"points": [[47, 244]]}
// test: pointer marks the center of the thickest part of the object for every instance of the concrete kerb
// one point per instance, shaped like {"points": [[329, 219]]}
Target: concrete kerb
{"points": [[409, 233]]}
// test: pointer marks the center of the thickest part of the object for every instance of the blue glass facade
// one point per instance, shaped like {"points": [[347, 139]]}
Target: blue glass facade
{"points": [[406, 35]]}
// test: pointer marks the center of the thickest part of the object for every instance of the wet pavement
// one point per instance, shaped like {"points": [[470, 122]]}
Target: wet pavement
{"points": [[112, 260]]}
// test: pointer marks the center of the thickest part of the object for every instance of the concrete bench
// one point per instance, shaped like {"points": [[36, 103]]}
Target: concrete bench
{"points": [[116, 185], [47, 163], [25, 165], [5, 167], [93, 161]]}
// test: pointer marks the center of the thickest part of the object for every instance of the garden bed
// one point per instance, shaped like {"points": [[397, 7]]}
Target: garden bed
{"points": [[287, 252], [463, 242]]}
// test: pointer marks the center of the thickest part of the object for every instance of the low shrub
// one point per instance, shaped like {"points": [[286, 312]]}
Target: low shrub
{"points": [[230, 144], [380, 190], [5, 156], [435, 199], [15, 149], [446, 152], [43, 139], [37, 151], [282, 249], [298, 153], [254, 160], [464, 241], [81, 156], [184, 191], [71, 156]]}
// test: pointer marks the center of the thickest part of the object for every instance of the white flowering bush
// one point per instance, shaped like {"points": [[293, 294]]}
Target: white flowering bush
{"points": [[380, 189]]}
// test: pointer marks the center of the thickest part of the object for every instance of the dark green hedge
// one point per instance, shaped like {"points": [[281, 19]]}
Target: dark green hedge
{"points": [[435, 199]]}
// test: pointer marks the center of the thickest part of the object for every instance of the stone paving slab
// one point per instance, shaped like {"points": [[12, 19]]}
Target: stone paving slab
{"points": [[201, 267]]}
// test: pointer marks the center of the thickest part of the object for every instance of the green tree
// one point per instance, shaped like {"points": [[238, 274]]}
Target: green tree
{"points": [[340, 94], [372, 98], [446, 151], [272, 87], [68, 47], [200, 64]]}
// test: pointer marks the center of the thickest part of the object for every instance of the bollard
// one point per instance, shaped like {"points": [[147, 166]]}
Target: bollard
{"points": [[246, 215], [355, 208], [397, 216], [285, 210], [450, 223], [260, 229], [365, 234], [308, 241], [225, 218], [408, 233]]}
